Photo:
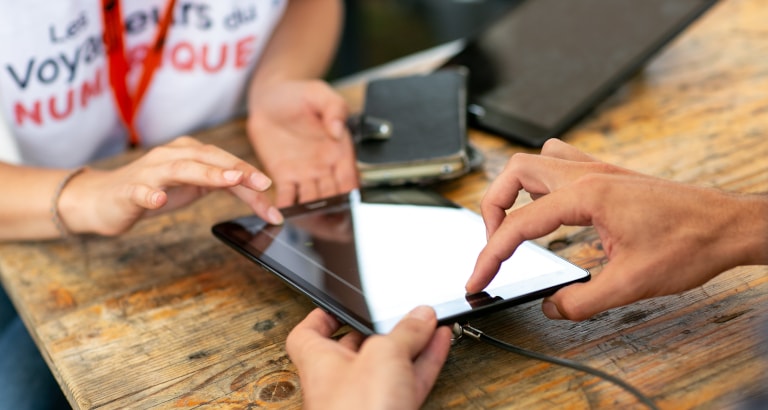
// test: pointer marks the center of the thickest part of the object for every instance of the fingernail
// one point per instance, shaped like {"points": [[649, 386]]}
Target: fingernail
{"points": [[155, 198], [550, 310], [424, 313], [260, 181], [337, 129], [275, 217], [232, 175]]}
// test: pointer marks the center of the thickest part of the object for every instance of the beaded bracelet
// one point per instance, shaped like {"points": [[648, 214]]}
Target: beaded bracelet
{"points": [[55, 217]]}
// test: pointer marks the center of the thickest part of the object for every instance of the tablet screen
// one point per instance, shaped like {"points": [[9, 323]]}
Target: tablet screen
{"points": [[370, 257]]}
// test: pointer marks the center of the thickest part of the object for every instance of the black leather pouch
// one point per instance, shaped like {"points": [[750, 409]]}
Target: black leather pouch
{"points": [[413, 129]]}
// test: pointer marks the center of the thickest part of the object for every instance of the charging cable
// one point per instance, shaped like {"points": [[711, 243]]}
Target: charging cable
{"points": [[460, 330]]}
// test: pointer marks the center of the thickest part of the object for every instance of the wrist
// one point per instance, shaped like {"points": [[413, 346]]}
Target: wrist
{"points": [[754, 229], [264, 80], [72, 213]]}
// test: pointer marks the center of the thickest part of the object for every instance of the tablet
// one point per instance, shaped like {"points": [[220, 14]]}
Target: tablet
{"points": [[370, 256], [544, 64]]}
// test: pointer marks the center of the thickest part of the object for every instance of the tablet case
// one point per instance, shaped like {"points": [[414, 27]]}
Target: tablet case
{"points": [[413, 129]]}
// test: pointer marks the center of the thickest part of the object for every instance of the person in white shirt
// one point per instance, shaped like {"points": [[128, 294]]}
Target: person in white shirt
{"points": [[60, 106], [82, 80]]}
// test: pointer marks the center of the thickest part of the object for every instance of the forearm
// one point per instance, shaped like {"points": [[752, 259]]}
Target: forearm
{"points": [[303, 44], [25, 202], [726, 229], [752, 231]]}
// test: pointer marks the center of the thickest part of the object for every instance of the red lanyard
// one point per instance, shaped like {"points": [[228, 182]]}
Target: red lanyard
{"points": [[128, 103]]}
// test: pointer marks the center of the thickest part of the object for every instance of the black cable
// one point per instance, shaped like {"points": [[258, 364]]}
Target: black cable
{"points": [[470, 331]]}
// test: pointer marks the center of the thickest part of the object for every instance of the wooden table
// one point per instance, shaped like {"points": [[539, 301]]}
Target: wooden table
{"points": [[167, 316]]}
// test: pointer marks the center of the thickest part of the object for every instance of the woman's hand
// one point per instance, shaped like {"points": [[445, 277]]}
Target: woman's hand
{"points": [[298, 129], [166, 178]]}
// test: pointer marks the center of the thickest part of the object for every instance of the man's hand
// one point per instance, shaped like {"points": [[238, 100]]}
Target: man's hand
{"points": [[661, 237]]}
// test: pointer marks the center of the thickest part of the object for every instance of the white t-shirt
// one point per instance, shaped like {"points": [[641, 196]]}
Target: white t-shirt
{"points": [[56, 104]]}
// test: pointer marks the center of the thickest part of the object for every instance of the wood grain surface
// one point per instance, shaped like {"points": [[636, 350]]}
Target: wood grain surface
{"points": [[168, 317]]}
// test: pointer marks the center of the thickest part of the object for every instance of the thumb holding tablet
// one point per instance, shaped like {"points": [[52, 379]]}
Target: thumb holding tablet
{"points": [[396, 370]]}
